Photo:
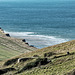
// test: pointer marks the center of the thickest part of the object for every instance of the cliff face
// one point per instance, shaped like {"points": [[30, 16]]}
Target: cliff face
{"points": [[1, 31], [10, 47]]}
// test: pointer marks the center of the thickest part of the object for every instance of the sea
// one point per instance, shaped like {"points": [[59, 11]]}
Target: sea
{"points": [[41, 23]]}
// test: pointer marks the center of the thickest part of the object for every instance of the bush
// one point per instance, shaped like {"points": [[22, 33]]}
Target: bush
{"points": [[9, 62], [42, 61], [30, 65], [35, 56], [6, 70], [48, 54]]}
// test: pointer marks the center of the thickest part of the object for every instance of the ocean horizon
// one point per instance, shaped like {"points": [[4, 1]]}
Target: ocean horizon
{"points": [[42, 24]]}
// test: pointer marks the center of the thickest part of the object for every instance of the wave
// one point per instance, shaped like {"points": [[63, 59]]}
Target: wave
{"points": [[19, 33], [38, 41]]}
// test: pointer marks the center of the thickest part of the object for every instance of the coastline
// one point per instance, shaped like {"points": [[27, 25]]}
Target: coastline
{"points": [[48, 23], [38, 41], [11, 47], [8, 36], [52, 58], [37, 37]]}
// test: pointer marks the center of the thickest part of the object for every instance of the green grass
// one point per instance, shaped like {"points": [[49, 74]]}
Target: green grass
{"points": [[11, 47], [61, 63], [58, 66], [5, 53], [54, 68]]}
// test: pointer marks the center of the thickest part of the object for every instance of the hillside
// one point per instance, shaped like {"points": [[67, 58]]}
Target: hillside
{"points": [[11, 47], [54, 60]]}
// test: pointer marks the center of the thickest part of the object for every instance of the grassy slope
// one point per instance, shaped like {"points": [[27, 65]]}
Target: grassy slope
{"points": [[60, 65], [11, 47]]}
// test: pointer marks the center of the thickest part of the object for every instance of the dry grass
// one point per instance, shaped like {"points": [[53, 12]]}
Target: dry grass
{"points": [[61, 62], [11, 47]]}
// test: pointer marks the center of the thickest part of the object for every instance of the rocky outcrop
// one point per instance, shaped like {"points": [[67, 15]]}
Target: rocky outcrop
{"points": [[23, 40], [1, 30], [27, 43], [7, 35], [2, 33], [31, 45]]}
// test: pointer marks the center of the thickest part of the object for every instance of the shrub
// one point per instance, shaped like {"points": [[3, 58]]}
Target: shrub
{"points": [[6, 70], [48, 54], [55, 56], [35, 56], [9, 62], [43, 61], [30, 65]]}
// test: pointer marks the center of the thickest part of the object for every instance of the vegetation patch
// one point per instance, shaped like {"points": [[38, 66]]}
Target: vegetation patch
{"points": [[71, 73], [38, 62], [64, 55], [49, 54], [6, 70], [24, 59], [35, 55], [9, 62]]}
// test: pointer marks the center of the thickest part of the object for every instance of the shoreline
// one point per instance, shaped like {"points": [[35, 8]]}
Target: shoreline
{"points": [[39, 41], [8, 36], [59, 55]]}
